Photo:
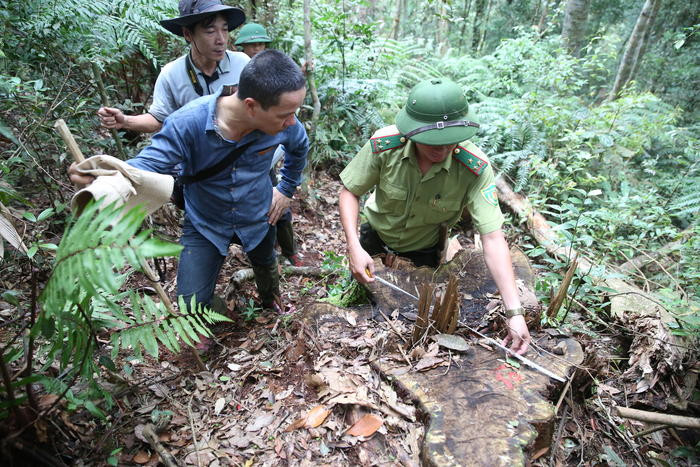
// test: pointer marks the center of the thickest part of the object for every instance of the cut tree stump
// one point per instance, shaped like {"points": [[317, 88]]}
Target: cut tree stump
{"points": [[478, 409], [483, 411]]}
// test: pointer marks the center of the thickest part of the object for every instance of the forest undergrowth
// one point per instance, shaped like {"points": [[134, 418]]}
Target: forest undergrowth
{"points": [[616, 179]]}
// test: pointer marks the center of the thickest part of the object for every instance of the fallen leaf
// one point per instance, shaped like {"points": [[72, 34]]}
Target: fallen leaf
{"points": [[453, 246], [452, 342], [219, 405], [141, 457], [428, 362], [351, 318], [512, 362], [316, 416], [261, 421], [296, 424], [366, 426], [47, 400]]}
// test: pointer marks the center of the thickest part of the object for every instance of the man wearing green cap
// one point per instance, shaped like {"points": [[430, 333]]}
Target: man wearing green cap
{"points": [[205, 25], [424, 173], [253, 38]]}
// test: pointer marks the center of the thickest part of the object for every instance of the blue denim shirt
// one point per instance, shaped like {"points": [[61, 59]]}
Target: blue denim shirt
{"points": [[237, 200]]}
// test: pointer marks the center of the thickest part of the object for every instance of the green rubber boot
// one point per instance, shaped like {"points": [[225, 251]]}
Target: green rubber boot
{"points": [[267, 279], [285, 237]]}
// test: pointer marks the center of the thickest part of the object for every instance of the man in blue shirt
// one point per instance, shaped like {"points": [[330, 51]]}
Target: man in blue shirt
{"points": [[239, 204]]}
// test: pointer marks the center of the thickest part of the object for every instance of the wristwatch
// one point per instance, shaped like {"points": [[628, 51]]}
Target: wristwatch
{"points": [[515, 312]]}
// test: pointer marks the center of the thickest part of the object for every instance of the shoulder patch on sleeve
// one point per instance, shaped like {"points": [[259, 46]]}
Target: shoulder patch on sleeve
{"points": [[489, 194], [470, 160], [384, 143]]}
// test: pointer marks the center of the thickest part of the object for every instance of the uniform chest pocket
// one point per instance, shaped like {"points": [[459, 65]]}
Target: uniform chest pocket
{"points": [[391, 198], [442, 210]]}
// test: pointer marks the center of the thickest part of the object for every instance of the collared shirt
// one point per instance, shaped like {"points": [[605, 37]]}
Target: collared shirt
{"points": [[237, 200], [407, 207], [174, 89]]}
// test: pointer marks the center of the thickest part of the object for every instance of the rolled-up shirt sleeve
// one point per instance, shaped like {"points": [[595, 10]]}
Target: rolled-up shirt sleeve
{"points": [[166, 151], [296, 148]]}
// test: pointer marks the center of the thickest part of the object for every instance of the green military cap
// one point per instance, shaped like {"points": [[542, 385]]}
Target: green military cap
{"points": [[436, 113], [252, 33]]}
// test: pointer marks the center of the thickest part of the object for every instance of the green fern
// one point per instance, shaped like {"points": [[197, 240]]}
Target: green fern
{"points": [[686, 205], [83, 296]]}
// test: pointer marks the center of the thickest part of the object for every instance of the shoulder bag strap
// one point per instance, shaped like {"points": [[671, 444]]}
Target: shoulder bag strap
{"points": [[218, 167]]}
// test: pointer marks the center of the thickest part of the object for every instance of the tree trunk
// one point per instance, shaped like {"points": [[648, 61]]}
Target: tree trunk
{"points": [[479, 8], [397, 21], [309, 66], [542, 21], [575, 22], [645, 42], [465, 20], [483, 28], [632, 53], [441, 39]]}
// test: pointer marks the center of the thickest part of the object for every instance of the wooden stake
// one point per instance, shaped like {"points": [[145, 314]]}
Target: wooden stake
{"points": [[73, 148]]}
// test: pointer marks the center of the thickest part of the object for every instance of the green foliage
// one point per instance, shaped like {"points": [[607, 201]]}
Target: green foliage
{"points": [[86, 296], [346, 291], [251, 311]]}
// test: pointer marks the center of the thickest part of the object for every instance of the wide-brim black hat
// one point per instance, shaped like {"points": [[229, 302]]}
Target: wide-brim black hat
{"points": [[193, 11]]}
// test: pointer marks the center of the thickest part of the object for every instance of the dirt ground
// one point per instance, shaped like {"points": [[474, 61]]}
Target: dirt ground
{"points": [[270, 395]]}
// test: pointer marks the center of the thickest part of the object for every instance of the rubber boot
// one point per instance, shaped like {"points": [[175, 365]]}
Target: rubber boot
{"points": [[267, 279], [285, 238]]}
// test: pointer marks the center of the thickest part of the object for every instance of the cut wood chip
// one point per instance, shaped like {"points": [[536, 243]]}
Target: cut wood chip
{"points": [[452, 342], [312, 419], [366, 426], [316, 416], [142, 457]]}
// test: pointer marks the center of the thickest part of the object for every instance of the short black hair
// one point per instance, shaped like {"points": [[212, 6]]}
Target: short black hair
{"points": [[204, 23], [267, 76]]}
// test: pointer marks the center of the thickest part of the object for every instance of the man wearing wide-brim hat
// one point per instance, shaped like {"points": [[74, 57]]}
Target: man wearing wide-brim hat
{"points": [[208, 65], [424, 172]]}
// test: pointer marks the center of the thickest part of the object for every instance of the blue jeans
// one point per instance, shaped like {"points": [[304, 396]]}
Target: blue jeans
{"points": [[200, 262]]}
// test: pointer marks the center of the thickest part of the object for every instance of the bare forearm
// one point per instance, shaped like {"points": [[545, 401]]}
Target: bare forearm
{"points": [[360, 261], [497, 257], [349, 206], [143, 123], [498, 260]]}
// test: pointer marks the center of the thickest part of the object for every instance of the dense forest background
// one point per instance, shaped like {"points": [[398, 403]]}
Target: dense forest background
{"points": [[589, 108]]}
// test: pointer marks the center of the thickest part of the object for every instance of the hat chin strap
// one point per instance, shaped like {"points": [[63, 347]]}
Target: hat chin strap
{"points": [[440, 126]]}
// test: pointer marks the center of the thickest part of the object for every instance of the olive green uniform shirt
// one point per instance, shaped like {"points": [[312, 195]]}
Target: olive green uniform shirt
{"points": [[407, 207]]}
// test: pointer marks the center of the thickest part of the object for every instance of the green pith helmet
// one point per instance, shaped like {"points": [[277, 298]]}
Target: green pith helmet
{"points": [[436, 113], [252, 33]]}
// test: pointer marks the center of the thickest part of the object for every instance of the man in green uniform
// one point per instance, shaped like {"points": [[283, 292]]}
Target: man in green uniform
{"points": [[424, 173], [253, 39]]}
